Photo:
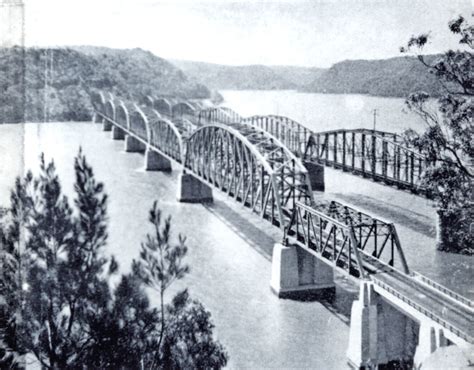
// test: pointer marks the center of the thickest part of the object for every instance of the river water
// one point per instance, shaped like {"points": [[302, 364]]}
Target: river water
{"points": [[229, 248], [413, 216]]}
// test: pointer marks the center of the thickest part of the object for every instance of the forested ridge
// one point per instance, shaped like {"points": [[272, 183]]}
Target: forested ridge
{"points": [[249, 77], [38, 84], [395, 77]]}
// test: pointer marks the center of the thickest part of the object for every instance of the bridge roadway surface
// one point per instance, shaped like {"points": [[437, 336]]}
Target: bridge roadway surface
{"points": [[433, 303], [448, 309], [449, 313]]}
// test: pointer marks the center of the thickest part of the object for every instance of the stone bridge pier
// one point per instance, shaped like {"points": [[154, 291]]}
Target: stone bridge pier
{"points": [[192, 190], [316, 175], [133, 145], [106, 125], [296, 273], [155, 161], [96, 118], [117, 133]]}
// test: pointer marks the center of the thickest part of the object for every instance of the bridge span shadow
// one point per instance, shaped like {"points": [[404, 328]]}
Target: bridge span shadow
{"points": [[261, 236]]}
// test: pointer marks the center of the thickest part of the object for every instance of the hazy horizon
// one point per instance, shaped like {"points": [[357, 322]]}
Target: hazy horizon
{"points": [[302, 33]]}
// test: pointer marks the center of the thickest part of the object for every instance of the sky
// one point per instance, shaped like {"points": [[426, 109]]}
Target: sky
{"points": [[308, 33]]}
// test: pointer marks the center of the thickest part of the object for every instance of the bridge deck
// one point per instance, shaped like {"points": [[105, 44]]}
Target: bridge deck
{"points": [[454, 316]]}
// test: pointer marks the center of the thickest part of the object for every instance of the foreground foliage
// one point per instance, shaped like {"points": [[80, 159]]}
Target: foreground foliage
{"points": [[57, 301], [448, 138]]}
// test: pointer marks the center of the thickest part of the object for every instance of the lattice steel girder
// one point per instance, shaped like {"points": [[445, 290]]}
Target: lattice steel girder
{"points": [[218, 115], [335, 222], [369, 154], [293, 134], [330, 240], [264, 179]]}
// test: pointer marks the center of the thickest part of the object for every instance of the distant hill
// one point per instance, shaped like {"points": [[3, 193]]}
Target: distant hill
{"points": [[249, 77], [71, 72], [396, 77]]}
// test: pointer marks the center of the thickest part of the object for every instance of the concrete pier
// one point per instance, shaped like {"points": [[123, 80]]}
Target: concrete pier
{"points": [[191, 190], [156, 162], [117, 133], [106, 125], [429, 340], [133, 145], [316, 175], [96, 118], [379, 333], [298, 274]]}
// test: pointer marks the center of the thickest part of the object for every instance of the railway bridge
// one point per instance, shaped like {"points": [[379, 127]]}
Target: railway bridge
{"points": [[269, 165]]}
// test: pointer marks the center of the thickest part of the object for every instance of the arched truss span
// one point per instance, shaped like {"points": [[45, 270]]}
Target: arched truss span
{"points": [[291, 133], [165, 135], [218, 115], [139, 124], [250, 165], [163, 106], [110, 110], [183, 110], [168, 138], [370, 154], [98, 102], [148, 100], [122, 116]]}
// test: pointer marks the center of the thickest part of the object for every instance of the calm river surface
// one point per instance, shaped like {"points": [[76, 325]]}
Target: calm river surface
{"points": [[412, 215], [229, 248]]}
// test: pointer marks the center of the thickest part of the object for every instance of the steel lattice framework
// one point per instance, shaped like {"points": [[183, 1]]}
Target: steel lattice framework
{"points": [[378, 155], [346, 238], [293, 134], [218, 115], [372, 154], [251, 166]]}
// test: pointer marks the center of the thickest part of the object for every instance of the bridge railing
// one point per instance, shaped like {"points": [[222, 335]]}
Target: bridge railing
{"points": [[458, 332], [443, 289]]}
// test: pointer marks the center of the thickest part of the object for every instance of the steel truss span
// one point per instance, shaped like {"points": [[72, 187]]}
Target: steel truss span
{"points": [[350, 240], [251, 166], [371, 154], [147, 124], [377, 155]]}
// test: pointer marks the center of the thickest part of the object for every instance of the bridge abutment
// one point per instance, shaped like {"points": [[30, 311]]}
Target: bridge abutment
{"points": [[156, 162], [316, 175], [106, 125], [117, 133], [133, 145], [298, 274], [192, 190], [379, 333]]}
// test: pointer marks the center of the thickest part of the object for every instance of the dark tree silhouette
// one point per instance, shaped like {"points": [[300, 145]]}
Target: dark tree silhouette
{"points": [[448, 138], [56, 297]]}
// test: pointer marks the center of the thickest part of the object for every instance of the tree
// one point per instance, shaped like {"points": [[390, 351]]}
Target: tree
{"points": [[447, 141], [57, 302], [185, 337]]}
